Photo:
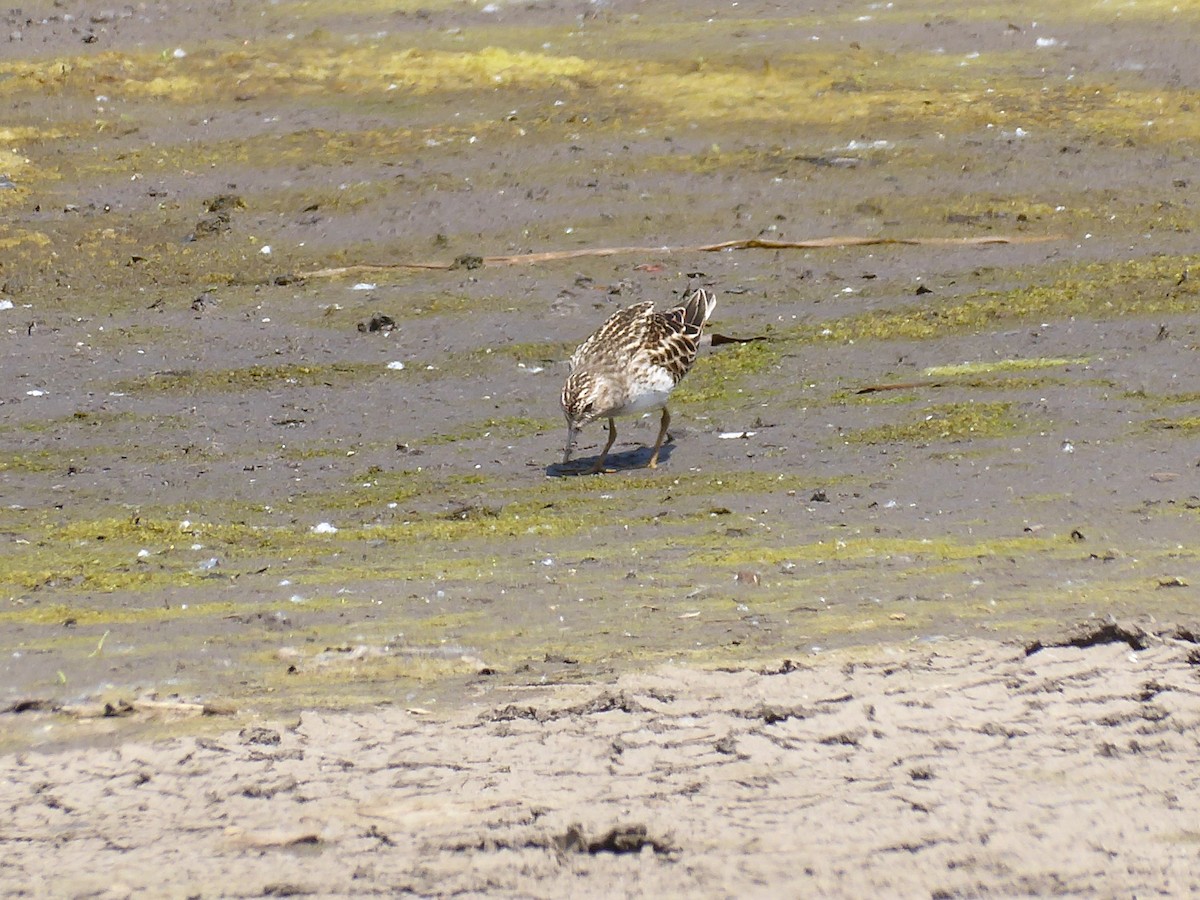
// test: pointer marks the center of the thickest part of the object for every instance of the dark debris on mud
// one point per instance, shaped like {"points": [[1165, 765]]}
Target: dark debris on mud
{"points": [[1092, 634]]}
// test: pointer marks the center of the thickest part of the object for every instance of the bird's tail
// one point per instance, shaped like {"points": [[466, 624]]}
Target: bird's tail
{"points": [[697, 308]]}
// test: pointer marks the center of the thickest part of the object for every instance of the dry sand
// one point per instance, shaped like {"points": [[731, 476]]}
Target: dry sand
{"points": [[945, 770]]}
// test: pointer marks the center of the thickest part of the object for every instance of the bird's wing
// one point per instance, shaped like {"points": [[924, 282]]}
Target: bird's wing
{"points": [[618, 340], [673, 336]]}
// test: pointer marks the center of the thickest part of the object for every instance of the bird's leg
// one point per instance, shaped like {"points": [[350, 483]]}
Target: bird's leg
{"points": [[662, 433], [612, 436], [570, 444]]}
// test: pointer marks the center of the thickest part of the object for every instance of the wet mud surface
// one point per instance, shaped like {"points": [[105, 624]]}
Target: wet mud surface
{"points": [[275, 438]]}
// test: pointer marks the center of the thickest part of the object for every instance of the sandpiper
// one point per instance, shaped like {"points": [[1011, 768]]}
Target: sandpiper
{"points": [[631, 365]]}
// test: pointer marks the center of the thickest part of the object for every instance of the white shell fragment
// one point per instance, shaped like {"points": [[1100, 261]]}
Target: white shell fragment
{"points": [[324, 528], [731, 435]]}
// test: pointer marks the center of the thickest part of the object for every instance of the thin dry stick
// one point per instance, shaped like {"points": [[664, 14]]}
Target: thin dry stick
{"points": [[904, 386], [524, 259]]}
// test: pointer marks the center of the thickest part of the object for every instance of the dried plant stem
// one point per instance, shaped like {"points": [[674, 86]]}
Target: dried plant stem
{"points": [[525, 259]]}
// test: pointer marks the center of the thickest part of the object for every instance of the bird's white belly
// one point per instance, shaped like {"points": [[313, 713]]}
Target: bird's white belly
{"points": [[651, 393]]}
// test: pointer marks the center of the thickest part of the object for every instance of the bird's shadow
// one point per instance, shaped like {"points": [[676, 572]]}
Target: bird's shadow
{"points": [[637, 458]]}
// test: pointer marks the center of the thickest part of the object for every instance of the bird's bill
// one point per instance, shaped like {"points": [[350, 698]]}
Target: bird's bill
{"points": [[570, 444]]}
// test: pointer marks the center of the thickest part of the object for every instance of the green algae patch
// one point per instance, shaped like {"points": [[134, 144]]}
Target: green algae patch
{"points": [[484, 359], [83, 569], [984, 367], [547, 520], [1189, 425], [718, 377], [214, 73], [830, 89], [44, 461], [1099, 290], [80, 614], [718, 484], [481, 521], [379, 563], [545, 351], [13, 238], [146, 529], [375, 486], [427, 305], [251, 378], [505, 428], [826, 88], [109, 555], [354, 665], [85, 420], [947, 422], [1163, 401], [93, 575], [942, 549]]}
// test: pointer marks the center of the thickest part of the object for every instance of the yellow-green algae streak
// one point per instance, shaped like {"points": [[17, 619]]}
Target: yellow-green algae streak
{"points": [[1144, 287]]}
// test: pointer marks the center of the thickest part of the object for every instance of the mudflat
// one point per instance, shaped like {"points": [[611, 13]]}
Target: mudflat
{"points": [[295, 596]]}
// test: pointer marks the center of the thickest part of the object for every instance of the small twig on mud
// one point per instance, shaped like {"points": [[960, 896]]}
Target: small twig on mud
{"points": [[525, 259], [718, 339], [904, 386]]}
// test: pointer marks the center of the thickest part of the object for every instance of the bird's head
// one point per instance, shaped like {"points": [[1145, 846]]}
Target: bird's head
{"points": [[586, 397]]}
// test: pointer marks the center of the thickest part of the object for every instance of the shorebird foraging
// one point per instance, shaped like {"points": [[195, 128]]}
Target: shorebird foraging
{"points": [[631, 365]]}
